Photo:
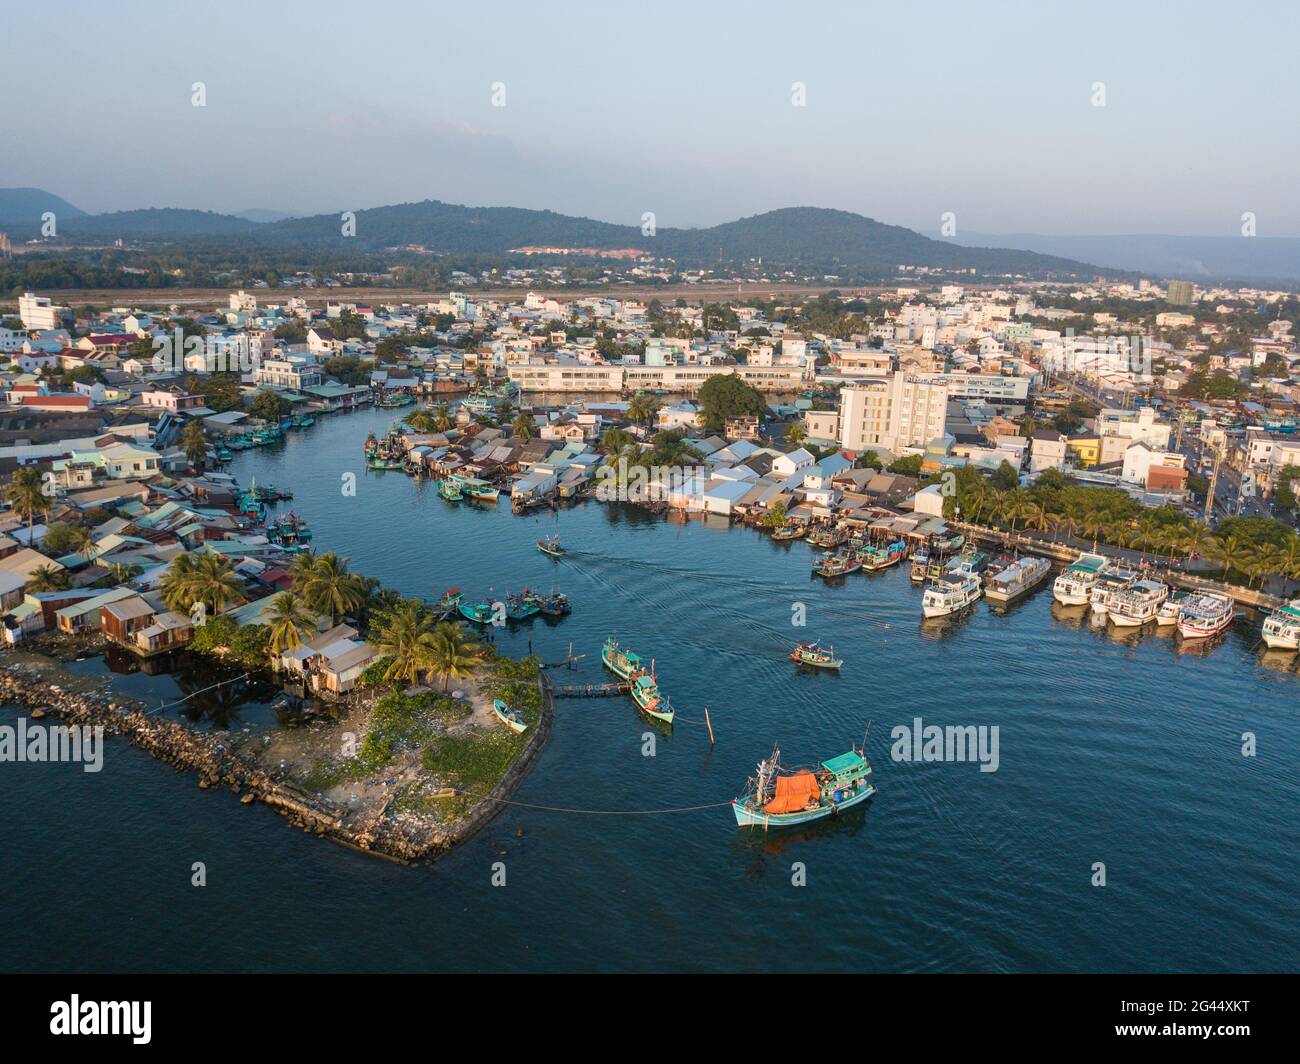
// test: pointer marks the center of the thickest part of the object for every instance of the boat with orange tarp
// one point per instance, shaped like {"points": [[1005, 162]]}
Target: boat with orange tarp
{"points": [[776, 798]]}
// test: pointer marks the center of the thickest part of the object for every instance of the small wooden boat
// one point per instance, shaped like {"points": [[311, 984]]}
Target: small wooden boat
{"points": [[478, 612], [833, 565], [621, 662], [446, 605], [815, 656], [553, 605], [509, 717], [551, 546], [875, 558], [788, 532], [522, 606], [645, 693], [450, 490]]}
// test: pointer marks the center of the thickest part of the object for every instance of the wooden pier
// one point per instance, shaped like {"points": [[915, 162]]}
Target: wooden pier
{"points": [[590, 690]]}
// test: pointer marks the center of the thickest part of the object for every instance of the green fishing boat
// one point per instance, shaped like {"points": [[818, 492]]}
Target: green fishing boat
{"points": [[777, 798], [815, 656], [645, 693], [450, 490], [619, 661]]}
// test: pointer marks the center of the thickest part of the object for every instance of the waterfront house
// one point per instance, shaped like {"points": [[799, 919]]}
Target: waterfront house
{"points": [[86, 615]]}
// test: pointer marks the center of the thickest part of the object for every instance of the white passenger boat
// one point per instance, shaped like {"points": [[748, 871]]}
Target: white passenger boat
{"points": [[1170, 608], [1109, 580], [1137, 604], [1282, 627], [1073, 586], [1205, 614], [1022, 575], [953, 591]]}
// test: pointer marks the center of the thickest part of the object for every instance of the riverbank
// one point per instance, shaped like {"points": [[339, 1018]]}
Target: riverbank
{"points": [[261, 767]]}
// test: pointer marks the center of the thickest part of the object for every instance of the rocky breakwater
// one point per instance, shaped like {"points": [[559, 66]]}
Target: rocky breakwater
{"points": [[216, 759]]}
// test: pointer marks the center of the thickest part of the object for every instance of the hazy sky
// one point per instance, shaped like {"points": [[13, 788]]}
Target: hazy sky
{"points": [[913, 109]]}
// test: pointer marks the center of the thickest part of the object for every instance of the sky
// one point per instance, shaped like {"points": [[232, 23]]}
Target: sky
{"points": [[911, 111]]}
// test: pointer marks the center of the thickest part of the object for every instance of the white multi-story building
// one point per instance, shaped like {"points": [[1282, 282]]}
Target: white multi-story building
{"points": [[896, 412], [37, 312], [289, 373]]}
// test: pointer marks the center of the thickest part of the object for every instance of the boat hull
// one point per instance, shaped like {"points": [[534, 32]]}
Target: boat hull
{"points": [[1281, 641], [748, 817]]}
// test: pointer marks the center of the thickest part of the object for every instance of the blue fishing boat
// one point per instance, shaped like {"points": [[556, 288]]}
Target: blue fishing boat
{"points": [[477, 612], [776, 798]]}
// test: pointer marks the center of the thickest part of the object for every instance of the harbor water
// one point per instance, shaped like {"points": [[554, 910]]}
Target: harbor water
{"points": [[621, 852]]}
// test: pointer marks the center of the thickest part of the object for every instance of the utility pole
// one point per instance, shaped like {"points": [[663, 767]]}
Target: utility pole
{"points": [[1214, 480]]}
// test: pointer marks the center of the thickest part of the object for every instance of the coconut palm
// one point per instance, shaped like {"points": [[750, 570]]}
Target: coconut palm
{"points": [[643, 409], [407, 639], [420, 420], [301, 568], [290, 621], [1092, 526], [523, 427], [796, 433], [121, 573], [441, 415], [331, 588], [25, 492], [1290, 569], [82, 541], [1195, 538], [48, 578], [1232, 552], [177, 583], [214, 582], [451, 653], [195, 443]]}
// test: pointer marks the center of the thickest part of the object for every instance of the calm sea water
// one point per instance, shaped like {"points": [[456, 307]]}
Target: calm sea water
{"points": [[1115, 750]]}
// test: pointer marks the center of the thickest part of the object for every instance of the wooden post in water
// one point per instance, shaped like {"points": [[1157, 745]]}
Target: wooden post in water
{"points": [[710, 726]]}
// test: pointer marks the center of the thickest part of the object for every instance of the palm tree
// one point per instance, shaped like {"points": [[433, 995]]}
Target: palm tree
{"points": [[195, 442], [796, 433], [1092, 526], [82, 541], [1231, 551], [214, 582], [48, 578], [1269, 559], [407, 640], [442, 419], [121, 573], [523, 427], [420, 419], [290, 622], [643, 409], [1291, 562], [301, 568], [1195, 538], [451, 653], [1070, 525], [25, 492], [332, 589]]}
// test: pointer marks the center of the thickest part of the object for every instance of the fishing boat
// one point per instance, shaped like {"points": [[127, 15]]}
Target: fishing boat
{"points": [[815, 656], [509, 717], [776, 798], [1073, 586], [551, 546], [477, 612], [953, 591], [385, 464], [828, 537], [1016, 579], [446, 605], [449, 489], [834, 565], [1137, 604], [288, 530], [920, 563], [553, 605], [620, 662], [521, 606], [371, 444], [474, 488], [874, 558], [306, 421], [788, 532], [1110, 580], [947, 544], [396, 401], [1171, 607], [645, 693], [1282, 627], [1205, 614]]}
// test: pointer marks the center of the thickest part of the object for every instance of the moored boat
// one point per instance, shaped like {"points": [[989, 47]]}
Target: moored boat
{"points": [[953, 591], [1205, 614], [1170, 608], [920, 564], [446, 605], [509, 717], [1137, 604], [1282, 627], [833, 565], [1110, 580], [477, 612], [876, 557], [619, 661], [776, 798], [449, 489], [521, 606], [1018, 578], [646, 694], [1073, 586], [815, 656], [788, 532]]}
